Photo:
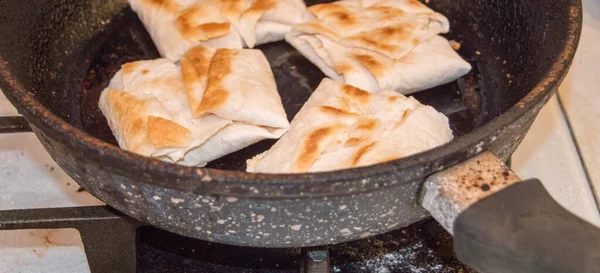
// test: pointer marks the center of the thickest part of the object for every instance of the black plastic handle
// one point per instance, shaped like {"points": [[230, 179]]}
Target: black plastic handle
{"points": [[521, 229]]}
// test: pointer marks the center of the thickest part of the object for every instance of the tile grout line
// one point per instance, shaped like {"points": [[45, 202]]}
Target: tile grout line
{"points": [[579, 154]]}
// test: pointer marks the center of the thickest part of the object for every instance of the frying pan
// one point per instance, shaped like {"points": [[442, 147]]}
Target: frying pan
{"points": [[57, 55]]}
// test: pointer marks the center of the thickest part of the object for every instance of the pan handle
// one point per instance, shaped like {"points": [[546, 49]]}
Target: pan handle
{"points": [[501, 224]]}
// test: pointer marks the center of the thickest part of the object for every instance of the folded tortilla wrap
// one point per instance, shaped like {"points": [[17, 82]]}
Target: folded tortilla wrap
{"points": [[341, 126], [379, 44], [198, 112], [178, 25]]}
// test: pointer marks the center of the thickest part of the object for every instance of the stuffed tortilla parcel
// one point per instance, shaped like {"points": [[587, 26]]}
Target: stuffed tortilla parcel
{"points": [[379, 45], [217, 102], [178, 25], [341, 126]]}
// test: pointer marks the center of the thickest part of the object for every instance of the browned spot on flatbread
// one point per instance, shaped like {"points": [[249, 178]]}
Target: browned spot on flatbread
{"points": [[336, 111], [260, 6], [232, 7], [367, 124], [124, 104], [369, 41], [343, 68], [194, 69], [310, 151], [362, 151], [371, 63], [129, 113], [198, 59], [191, 80], [170, 6], [356, 93], [145, 71], [128, 68], [344, 18], [353, 141], [216, 94], [322, 10], [366, 60], [405, 115], [164, 133], [415, 4], [393, 98], [214, 30], [191, 30], [389, 39], [385, 13]]}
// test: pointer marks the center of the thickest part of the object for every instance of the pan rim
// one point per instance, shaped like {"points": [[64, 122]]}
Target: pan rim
{"points": [[192, 178]]}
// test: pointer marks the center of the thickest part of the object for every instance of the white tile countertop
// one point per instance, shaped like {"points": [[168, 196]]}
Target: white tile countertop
{"points": [[562, 150]]}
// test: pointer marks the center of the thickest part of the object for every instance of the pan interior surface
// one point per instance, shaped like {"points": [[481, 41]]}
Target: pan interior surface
{"points": [[77, 46], [126, 40]]}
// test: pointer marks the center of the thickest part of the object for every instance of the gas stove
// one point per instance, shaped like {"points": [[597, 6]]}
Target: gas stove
{"points": [[58, 227], [116, 243]]}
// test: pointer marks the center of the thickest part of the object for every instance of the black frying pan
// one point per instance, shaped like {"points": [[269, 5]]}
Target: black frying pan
{"points": [[57, 55]]}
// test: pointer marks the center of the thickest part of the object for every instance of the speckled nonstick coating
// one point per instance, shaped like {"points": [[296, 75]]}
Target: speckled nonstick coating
{"points": [[56, 55]]}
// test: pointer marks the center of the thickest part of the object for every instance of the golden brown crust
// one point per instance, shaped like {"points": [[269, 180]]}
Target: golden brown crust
{"points": [[356, 93], [416, 4], [139, 131], [212, 99], [194, 68], [344, 19], [353, 141], [260, 6], [393, 99], [198, 61], [322, 10], [190, 79], [406, 113], [216, 94], [388, 40], [334, 15], [232, 7], [190, 30], [164, 133], [336, 112], [170, 6], [128, 68], [310, 150], [343, 68], [214, 30], [367, 124], [129, 113], [371, 63], [385, 13], [362, 151]]}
